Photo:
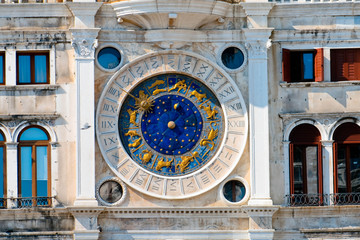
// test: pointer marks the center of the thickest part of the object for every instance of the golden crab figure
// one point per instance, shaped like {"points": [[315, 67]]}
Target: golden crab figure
{"points": [[143, 102]]}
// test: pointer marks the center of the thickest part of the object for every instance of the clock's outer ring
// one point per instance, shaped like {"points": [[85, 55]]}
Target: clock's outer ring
{"points": [[180, 62]]}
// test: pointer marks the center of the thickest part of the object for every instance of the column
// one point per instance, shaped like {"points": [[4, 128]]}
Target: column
{"points": [[12, 173], [84, 43], [257, 42], [328, 168]]}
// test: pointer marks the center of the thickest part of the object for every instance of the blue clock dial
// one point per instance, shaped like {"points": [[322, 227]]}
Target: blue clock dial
{"points": [[171, 124], [174, 125]]}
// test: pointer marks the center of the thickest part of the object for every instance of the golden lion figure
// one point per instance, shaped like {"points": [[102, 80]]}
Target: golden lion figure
{"points": [[185, 161], [210, 112], [161, 163], [199, 96]]}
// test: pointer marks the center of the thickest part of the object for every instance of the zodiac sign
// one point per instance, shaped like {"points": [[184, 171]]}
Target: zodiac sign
{"points": [[136, 143], [199, 96], [146, 157], [157, 83], [185, 161], [132, 133], [210, 139], [132, 115], [210, 112], [161, 163], [157, 91], [179, 85]]}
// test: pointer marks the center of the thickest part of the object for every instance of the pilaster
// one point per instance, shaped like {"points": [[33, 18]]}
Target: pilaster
{"points": [[11, 173], [257, 43], [84, 42], [286, 152]]}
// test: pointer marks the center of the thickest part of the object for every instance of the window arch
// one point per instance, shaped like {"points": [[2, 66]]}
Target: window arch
{"points": [[305, 161], [34, 166], [3, 188], [347, 158]]}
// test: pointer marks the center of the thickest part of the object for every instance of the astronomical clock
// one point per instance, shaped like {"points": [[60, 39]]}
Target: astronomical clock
{"points": [[171, 125]]}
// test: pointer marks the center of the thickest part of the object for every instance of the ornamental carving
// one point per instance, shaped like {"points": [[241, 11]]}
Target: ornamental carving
{"points": [[258, 49]]}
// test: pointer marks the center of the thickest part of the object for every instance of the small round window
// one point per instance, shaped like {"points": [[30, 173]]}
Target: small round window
{"points": [[109, 58], [234, 191], [232, 58]]}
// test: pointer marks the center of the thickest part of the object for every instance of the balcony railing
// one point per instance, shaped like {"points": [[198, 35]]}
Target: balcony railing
{"points": [[298, 200], [26, 202]]}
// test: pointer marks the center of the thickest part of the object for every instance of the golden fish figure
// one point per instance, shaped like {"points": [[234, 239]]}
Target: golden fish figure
{"points": [[210, 112], [199, 96], [146, 157], [179, 85], [132, 133], [185, 161], [161, 163], [210, 139], [136, 143], [132, 115]]}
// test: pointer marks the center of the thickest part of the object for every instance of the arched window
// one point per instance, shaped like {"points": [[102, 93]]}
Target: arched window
{"points": [[2, 171], [305, 163], [34, 166], [347, 158]]}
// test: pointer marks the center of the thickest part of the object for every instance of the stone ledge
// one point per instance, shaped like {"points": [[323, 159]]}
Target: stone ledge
{"points": [[51, 87], [29, 116], [319, 84]]}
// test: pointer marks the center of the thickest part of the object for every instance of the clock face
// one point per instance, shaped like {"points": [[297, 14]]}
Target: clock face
{"points": [[171, 124], [180, 129]]}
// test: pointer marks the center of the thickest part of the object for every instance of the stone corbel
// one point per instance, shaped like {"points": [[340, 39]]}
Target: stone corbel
{"points": [[84, 42]]}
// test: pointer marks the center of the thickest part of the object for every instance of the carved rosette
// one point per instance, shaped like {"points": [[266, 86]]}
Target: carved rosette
{"points": [[84, 42]]}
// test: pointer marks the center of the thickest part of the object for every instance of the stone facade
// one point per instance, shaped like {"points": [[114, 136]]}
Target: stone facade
{"points": [[261, 111]]}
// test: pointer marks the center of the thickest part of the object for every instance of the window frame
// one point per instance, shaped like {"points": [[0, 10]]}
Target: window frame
{"points": [[32, 55], [318, 65], [304, 164], [33, 144]]}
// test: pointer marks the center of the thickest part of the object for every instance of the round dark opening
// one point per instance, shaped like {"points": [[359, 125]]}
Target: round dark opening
{"points": [[109, 58], [110, 191], [232, 57], [234, 191]]}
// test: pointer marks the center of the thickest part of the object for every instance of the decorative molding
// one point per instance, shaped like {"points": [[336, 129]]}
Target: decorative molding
{"points": [[175, 212], [258, 42], [319, 84], [319, 115], [45, 117], [257, 8], [32, 10], [34, 87], [84, 42]]}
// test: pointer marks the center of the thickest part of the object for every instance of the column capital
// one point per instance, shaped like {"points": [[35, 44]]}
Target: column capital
{"points": [[11, 145], [327, 143], [258, 42], [84, 42]]}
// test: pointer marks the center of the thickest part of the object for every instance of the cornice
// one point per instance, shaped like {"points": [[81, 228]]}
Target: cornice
{"points": [[32, 10], [175, 212], [313, 9]]}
